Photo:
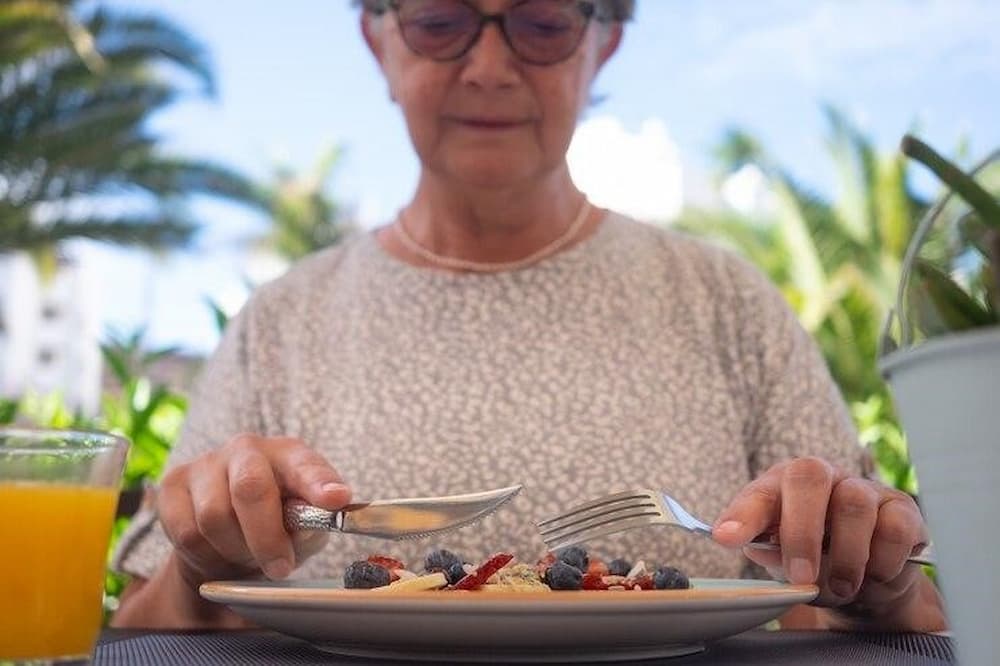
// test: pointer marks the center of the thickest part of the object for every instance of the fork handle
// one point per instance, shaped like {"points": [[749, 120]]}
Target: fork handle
{"points": [[764, 542]]}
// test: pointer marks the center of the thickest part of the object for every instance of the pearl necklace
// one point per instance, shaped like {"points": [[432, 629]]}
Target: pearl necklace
{"points": [[492, 267]]}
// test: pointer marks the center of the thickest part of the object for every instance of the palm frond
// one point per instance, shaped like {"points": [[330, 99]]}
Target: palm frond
{"points": [[856, 165], [153, 232], [121, 34], [738, 149], [71, 130], [30, 26]]}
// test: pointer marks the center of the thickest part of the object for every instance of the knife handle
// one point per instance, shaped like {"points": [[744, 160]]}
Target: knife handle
{"points": [[300, 515]]}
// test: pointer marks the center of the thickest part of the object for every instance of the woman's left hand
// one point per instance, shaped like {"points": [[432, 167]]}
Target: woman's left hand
{"points": [[848, 535]]}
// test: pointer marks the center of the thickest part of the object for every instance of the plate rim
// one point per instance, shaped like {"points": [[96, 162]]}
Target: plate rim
{"points": [[281, 594]]}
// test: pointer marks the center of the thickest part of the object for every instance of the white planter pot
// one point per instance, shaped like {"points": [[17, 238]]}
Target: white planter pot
{"points": [[947, 392]]}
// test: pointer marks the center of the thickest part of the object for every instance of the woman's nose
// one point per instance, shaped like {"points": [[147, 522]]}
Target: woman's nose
{"points": [[491, 63]]}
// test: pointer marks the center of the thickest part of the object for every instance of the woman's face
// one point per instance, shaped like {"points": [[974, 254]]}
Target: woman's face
{"points": [[488, 118]]}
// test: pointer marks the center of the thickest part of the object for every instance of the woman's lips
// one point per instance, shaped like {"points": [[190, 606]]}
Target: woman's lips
{"points": [[489, 124]]}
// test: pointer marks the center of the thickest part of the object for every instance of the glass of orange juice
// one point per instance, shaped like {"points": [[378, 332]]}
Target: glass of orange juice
{"points": [[58, 493]]}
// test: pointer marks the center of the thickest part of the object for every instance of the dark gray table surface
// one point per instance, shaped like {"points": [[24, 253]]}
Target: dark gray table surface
{"points": [[776, 648]]}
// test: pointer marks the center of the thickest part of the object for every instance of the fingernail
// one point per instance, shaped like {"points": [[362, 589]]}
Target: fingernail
{"points": [[277, 569], [842, 587], [731, 526], [332, 487], [777, 573], [800, 571]]}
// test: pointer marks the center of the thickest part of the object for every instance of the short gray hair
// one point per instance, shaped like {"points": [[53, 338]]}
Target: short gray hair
{"points": [[608, 11]]}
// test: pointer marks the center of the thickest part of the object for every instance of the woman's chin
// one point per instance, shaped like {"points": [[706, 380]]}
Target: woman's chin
{"points": [[491, 173]]}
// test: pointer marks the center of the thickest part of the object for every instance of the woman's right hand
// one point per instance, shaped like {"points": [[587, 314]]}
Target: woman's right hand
{"points": [[223, 510]]}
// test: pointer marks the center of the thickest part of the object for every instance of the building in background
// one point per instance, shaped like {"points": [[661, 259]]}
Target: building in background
{"points": [[49, 332]]}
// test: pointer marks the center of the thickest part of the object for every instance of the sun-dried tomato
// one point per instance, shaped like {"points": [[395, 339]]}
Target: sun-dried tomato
{"points": [[483, 572], [390, 563], [593, 581], [597, 566]]}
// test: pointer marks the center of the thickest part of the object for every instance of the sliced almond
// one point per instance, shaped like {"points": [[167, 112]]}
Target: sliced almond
{"points": [[637, 570], [433, 581]]}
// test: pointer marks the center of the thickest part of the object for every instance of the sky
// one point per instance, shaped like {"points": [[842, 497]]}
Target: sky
{"points": [[295, 78]]}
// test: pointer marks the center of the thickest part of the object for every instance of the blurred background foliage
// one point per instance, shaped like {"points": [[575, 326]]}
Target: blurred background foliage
{"points": [[837, 261], [78, 86]]}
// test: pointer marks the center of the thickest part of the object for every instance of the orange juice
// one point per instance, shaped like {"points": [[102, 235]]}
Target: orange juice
{"points": [[53, 550]]}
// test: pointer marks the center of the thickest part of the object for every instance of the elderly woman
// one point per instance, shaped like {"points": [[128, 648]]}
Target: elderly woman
{"points": [[503, 330]]}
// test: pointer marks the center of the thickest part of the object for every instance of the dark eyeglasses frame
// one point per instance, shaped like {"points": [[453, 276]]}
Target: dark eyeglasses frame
{"points": [[587, 8]]}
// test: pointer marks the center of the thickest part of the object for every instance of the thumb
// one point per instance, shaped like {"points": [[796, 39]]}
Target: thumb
{"points": [[307, 543], [303, 473], [755, 509]]}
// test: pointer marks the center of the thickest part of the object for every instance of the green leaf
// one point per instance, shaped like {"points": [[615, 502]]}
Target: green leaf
{"points": [[117, 363], [806, 267], [893, 206], [942, 306], [8, 410], [220, 316], [961, 183], [856, 166]]}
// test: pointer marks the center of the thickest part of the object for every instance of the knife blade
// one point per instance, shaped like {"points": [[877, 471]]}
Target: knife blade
{"points": [[401, 518]]}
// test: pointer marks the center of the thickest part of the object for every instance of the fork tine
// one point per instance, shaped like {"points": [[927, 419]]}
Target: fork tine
{"points": [[557, 532], [573, 512], [602, 514], [604, 529]]}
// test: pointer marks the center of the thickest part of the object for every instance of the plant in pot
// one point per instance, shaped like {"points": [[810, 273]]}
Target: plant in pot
{"points": [[941, 356]]}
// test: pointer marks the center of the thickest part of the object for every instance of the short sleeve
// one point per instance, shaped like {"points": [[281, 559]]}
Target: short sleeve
{"points": [[797, 409], [221, 406]]}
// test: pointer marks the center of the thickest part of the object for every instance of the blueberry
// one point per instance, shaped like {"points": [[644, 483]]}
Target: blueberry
{"points": [[669, 578], [455, 572], [619, 567], [364, 575], [562, 576], [575, 556], [440, 560]]}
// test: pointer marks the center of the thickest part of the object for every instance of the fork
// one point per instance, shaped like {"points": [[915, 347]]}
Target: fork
{"points": [[636, 508]]}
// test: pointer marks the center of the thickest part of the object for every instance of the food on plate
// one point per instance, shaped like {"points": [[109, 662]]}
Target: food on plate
{"points": [[433, 581], [670, 578], [366, 575], [619, 567], [563, 576], [516, 577], [567, 569]]}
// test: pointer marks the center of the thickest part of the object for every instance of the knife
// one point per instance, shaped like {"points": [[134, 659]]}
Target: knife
{"points": [[405, 518]]}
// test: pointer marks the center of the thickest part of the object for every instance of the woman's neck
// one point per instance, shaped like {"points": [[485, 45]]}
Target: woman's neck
{"points": [[488, 225]]}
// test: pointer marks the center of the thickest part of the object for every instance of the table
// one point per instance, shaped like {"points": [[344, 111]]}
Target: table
{"points": [[757, 647]]}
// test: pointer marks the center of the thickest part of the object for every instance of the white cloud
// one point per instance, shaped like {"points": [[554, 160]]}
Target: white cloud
{"points": [[747, 191], [635, 173]]}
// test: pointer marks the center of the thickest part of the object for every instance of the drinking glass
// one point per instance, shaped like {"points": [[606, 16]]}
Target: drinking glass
{"points": [[58, 494]]}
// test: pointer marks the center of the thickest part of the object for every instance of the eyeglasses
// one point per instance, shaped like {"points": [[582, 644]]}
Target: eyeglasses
{"points": [[539, 32]]}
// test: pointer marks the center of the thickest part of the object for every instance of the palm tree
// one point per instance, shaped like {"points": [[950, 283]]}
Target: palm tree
{"points": [[304, 216], [30, 26], [837, 262], [77, 158]]}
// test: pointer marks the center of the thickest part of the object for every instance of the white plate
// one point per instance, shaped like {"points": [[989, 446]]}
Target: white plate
{"points": [[513, 626]]}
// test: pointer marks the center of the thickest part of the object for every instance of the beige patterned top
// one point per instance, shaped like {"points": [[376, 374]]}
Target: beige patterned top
{"points": [[638, 357]]}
